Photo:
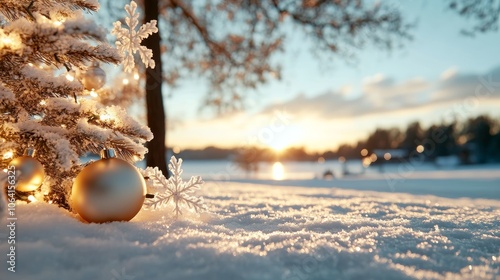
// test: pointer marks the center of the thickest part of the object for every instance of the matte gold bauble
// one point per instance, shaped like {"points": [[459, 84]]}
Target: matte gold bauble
{"points": [[29, 172], [94, 78], [108, 190]]}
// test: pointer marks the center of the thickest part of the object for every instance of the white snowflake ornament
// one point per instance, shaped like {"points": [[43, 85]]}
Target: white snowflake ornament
{"points": [[173, 190], [129, 40]]}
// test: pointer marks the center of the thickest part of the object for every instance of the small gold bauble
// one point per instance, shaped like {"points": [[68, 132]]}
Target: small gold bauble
{"points": [[107, 190], [29, 172], [94, 78]]}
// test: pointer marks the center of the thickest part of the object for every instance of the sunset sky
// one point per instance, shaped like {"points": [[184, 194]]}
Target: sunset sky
{"points": [[321, 105]]}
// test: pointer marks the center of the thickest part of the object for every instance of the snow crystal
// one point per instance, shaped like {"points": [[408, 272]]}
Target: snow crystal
{"points": [[174, 190], [129, 40], [268, 232]]}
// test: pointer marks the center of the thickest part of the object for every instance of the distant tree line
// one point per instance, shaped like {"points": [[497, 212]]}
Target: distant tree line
{"points": [[474, 140]]}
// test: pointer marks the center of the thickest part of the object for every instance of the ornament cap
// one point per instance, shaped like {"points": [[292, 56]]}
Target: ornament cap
{"points": [[30, 152], [108, 153]]}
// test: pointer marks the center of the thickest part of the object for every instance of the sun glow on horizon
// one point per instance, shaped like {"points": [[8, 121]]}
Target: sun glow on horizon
{"points": [[279, 146], [278, 171]]}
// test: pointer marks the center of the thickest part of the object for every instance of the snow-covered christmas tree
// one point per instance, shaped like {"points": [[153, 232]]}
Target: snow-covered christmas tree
{"points": [[49, 65]]}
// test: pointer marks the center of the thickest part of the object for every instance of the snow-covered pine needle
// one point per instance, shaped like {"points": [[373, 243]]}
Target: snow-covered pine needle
{"points": [[129, 40], [174, 190]]}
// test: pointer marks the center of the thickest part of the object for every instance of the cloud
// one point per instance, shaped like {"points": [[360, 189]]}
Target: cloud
{"points": [[449, 73], [463, 86], [323, 121], [382, 95]]}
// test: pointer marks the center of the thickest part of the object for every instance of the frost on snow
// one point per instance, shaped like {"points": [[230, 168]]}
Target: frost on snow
{"points": [[174, 189], [268, 232], [129, 40]]}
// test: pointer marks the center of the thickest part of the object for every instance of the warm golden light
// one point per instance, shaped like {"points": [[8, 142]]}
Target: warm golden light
{"points": [[366, 161], [136, 76], [373, 157], [8, 154], [176, 150], [7, 40], [126, 81], [342, 159], [70, 77], [32, 198], [278, 146], [105, 117], [321, 160], [278, 171], [93, 93], [420, 149], [387, 156], [12, 41], [43, 102], [364, 152]]}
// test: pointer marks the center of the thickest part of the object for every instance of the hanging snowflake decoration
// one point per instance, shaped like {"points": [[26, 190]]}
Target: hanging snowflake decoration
{"points": [[129, 40], [174, 190]]}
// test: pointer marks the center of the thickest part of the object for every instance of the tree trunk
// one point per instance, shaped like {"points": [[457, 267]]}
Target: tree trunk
{"points": [[154, 98]]}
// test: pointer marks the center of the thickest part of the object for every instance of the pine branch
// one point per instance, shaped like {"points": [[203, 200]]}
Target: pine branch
{"points": [[39, 43], [15, 9]]}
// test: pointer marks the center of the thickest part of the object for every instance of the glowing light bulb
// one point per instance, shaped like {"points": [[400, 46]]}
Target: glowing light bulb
{"points": [[420, 149], [126, 81], [7, 40], [70, 77], [8, 154], [366, 161], [136, 76], [93, 93], [105, 117], [31, 198], [12, 40], [364, 152]]}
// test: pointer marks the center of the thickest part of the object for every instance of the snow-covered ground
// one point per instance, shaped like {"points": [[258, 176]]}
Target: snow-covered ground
{"points": [[471, 182], [339, 229]]}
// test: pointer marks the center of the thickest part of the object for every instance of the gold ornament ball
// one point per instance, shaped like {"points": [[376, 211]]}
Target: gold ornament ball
{"points": [[108, 190], [94, 78], [29, 173]]}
